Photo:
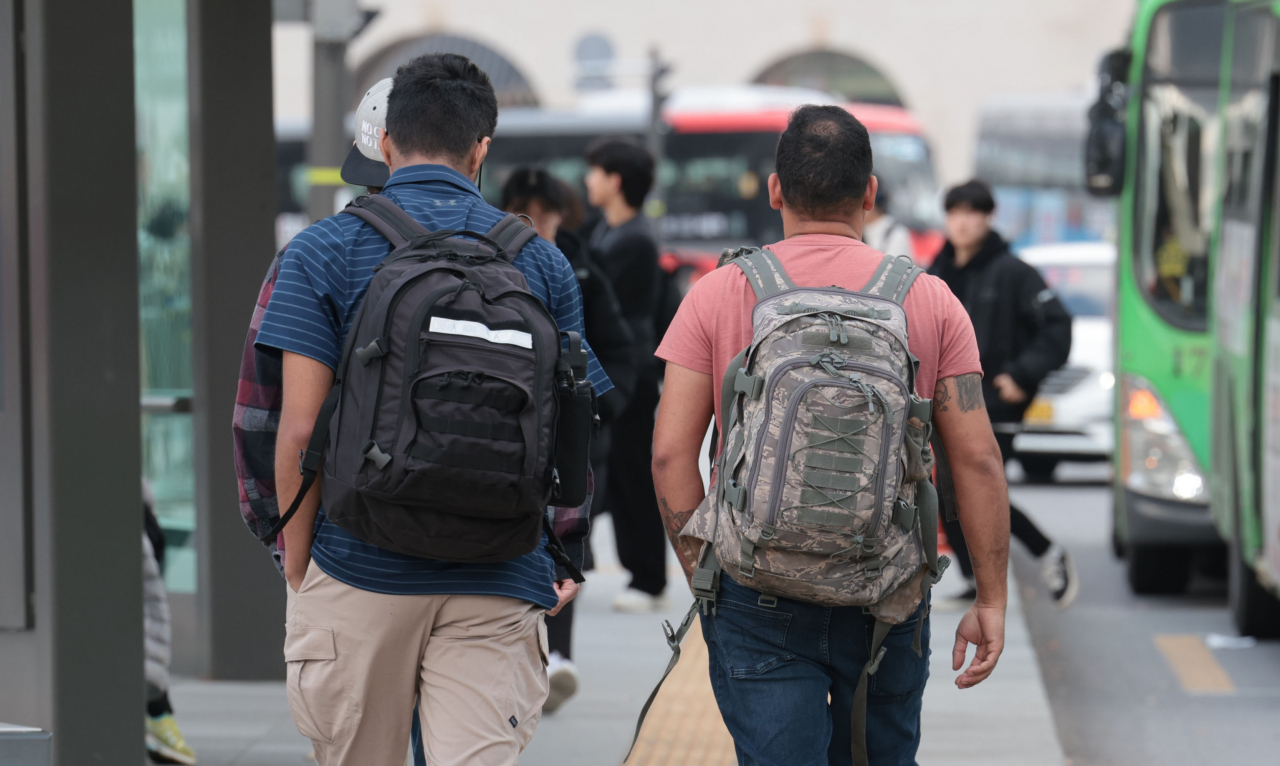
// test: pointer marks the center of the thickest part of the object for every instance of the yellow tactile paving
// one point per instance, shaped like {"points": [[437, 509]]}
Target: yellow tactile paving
{"points": [[684, 726], [1195, 666]]}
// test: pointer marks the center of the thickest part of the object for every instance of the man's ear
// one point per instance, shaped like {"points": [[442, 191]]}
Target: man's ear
{"points": [[384, 146], [775, 191], [477, 156], [869, 199]]}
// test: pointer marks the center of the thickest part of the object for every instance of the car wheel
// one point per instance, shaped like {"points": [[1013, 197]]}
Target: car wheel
{"points": [[1038, 469], [1159, 569], [1254, 611]]}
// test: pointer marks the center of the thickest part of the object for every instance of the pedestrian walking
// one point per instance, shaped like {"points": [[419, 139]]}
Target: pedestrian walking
{"points": [[620, 176], [1024, 333], [165, 743], [551, 206], [883, 232], [441, 602], [814, 580]]}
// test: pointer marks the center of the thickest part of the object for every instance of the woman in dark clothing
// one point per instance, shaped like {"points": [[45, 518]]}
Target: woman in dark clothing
{"points": [[552, 207], [1024, 333]]}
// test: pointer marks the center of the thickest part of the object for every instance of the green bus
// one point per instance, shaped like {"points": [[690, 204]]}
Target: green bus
{"points": [[1184, 133]]}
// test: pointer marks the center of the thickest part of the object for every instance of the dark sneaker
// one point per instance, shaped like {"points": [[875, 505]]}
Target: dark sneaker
{"points": [[1059, 573]]}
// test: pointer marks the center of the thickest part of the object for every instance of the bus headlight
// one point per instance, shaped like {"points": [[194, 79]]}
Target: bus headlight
{"points": [[1155, 459]]}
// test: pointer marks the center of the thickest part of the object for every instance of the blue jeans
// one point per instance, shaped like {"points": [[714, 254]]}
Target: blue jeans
{"points": [[772, 669]]}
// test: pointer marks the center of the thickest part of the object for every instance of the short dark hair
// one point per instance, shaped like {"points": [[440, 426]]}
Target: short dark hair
{"points": [[823, 160], [526, 185], [973, 194], [630, 161], [441, 105]]}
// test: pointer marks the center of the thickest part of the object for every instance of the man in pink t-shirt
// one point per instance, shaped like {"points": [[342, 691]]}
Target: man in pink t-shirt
{"points": [[785, 671]]}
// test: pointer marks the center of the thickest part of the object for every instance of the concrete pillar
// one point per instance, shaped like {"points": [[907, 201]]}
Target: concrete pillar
{"points": [[68, 233], [239, 596]]}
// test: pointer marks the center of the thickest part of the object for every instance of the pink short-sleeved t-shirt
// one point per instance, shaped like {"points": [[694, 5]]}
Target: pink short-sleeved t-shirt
{"points": [[714, 320]]}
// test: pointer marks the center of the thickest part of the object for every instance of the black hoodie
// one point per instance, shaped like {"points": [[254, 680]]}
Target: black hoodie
{"points": [[1022, 327]]}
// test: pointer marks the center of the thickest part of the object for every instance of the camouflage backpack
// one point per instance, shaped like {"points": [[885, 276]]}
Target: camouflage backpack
{"points": [[822, 489]]}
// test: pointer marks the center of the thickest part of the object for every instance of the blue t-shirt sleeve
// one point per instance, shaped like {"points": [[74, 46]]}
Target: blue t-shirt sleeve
{"points": [[564, 300], [306, 312]]}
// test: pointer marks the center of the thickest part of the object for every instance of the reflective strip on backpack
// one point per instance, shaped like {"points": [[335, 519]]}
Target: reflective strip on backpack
{"points": [[445, 326]]}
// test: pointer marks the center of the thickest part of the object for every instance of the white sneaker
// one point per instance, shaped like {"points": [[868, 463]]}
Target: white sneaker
{"points": [[1059, 573], [634, 601], [562, 676]]}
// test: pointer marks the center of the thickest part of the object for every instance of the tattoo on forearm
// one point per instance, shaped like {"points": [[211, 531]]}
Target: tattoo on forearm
{"points": [[969, 392], [941, 395], [672, 519]]}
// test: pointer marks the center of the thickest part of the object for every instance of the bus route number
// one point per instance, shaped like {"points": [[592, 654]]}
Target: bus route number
{"points": [[1190, 362]]}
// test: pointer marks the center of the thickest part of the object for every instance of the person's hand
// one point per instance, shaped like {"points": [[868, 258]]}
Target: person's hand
{"points": [[1008, 389], [295, 570], [982, 626], [565, 591]]}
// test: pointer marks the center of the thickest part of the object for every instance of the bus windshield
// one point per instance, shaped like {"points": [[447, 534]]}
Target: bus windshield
{"points": [[1176, 162], [714, 184]]}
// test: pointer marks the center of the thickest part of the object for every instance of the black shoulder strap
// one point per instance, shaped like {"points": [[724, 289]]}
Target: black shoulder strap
{"points": [[511, 234], [387, 218], [309, 464]]}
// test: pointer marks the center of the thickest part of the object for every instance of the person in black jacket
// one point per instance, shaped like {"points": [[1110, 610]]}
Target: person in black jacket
{"points": [[623, 243], [1023, 332], [553, 209]]}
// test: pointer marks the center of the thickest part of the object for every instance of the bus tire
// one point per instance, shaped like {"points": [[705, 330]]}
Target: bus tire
{"points": [[1254, 611], [1158, 569]]}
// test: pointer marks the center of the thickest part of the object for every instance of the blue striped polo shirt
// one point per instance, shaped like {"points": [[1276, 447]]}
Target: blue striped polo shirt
{"points": [[324, 274]]}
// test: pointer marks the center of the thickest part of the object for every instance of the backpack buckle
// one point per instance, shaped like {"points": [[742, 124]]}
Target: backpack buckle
{"points": [[904, 515], [874, 568], [379, 458], [745, 383], [376, 349], [735, 494]]}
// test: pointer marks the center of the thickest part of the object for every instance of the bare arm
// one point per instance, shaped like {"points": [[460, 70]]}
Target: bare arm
{"points": [[305, 386], [683, 416], [983, 499]]}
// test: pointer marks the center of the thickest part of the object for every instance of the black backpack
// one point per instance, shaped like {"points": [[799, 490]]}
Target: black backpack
{"points": [[455, 418]]}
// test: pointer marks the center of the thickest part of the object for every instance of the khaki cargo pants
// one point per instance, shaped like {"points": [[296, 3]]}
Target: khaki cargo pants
{"points": [[357, 660]]}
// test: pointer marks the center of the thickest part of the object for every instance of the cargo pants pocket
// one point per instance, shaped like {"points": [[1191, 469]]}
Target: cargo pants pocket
{"points": [[322, 709]]}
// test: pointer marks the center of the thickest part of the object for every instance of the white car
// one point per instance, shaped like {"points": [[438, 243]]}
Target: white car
{"points": [[1072, 416]]}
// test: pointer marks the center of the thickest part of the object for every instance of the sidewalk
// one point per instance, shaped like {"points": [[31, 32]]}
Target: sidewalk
{"points": [[1004, 721]]}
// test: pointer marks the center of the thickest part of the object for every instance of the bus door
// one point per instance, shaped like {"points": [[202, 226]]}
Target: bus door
{"points": [[1267, 353]]}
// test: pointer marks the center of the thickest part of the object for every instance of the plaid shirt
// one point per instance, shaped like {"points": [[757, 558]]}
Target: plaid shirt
{"points": [[256, 421]]}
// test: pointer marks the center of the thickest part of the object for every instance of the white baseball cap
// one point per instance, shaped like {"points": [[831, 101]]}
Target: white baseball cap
{"points": [[364, 165]]}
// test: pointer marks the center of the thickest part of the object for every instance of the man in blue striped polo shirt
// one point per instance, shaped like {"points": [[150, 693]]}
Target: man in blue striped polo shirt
{"points": [[370, 630]]}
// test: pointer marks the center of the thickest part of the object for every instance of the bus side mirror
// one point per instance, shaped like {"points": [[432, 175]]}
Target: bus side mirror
{"points": [[1104, 147]]}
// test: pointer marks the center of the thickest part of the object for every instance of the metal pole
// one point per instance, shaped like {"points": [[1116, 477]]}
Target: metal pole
{"points": [[657, 129], [333, 22]]}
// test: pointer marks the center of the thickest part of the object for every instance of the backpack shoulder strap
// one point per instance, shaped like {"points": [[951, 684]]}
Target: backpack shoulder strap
{"points": [[893, 278], [387, 218], [763, 270], [511, 234]]}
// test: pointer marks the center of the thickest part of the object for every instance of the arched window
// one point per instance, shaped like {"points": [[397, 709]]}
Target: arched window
{"points": [[508, 82], [833, 72]]}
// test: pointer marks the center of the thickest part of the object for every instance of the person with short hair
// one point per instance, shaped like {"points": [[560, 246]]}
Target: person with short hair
{"points": [[885, 233], [785, 672], [369, 630], [1024, 332], [622, 242], [553, 206]]}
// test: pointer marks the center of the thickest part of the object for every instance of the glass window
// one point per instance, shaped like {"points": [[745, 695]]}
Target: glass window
{"points": [[164, 278], [1177, 161], [1086, 291]]}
